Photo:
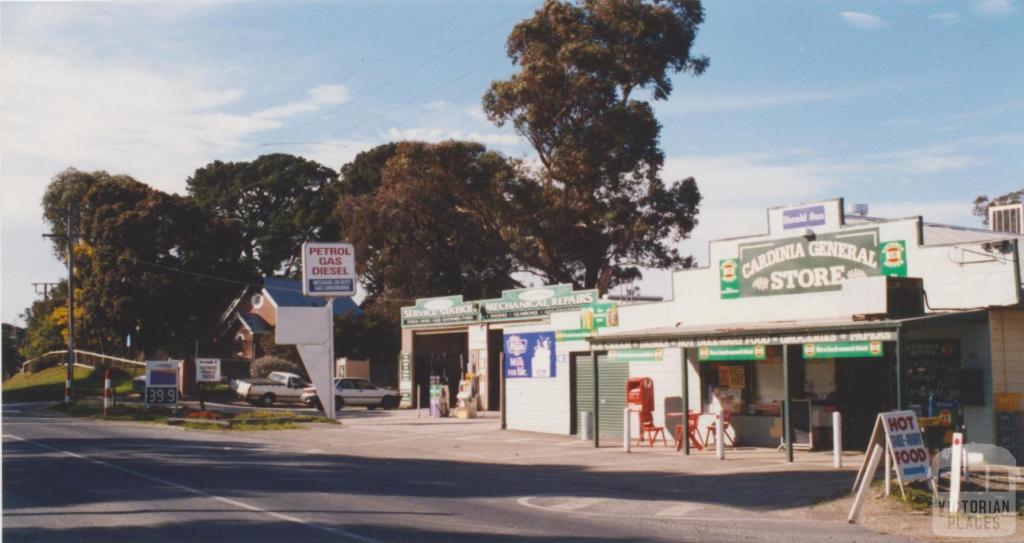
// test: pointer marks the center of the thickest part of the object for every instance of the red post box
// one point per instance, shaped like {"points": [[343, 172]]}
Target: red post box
{"points": [[640, 394]]}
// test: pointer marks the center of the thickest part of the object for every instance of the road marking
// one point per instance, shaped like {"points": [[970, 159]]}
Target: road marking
{"points": [[578, 503], [229, 501], [680, 510]]}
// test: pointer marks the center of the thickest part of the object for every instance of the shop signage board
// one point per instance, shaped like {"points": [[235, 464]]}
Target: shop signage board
{"points": [[803, 217], [440, 311], [602, 314], [161, 382], [328, 269], [535, 302], [637, 355], [903, 433], [781, 339], [579, 334], [405, 378], [844, 349], [207, 370], [739, 352], [817, 263], [530, 354]]}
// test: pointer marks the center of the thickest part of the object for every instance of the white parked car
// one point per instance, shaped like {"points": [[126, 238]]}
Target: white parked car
{"points": [[279, 386], [351, 391]]}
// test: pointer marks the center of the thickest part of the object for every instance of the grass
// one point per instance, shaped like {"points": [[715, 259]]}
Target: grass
{"points": [[197, 420], [48, 385]]}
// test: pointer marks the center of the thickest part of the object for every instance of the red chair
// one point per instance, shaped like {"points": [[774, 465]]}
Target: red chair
{"points": [[648, 429], [691, 432], [713, 428]]}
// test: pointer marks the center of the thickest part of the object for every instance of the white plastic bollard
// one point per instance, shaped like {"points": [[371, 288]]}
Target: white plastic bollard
{"points": [[107, 393], [954, 473], [719, 437], [625, 429], [837, 440]]}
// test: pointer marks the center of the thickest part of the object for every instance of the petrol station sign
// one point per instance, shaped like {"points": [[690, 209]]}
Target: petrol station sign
{"points": [[328, 269]]}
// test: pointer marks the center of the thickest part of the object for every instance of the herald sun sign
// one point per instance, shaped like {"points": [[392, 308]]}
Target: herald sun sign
{"points": [[328, 269]]}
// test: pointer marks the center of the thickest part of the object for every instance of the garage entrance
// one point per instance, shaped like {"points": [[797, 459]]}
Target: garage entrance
{"points": [[443, 355]]}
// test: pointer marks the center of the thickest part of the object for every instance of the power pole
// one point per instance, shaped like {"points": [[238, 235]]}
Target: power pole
{"points": [[69, 241], [71, 303]]}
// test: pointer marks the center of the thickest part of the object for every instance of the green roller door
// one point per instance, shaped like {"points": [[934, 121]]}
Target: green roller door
{"points": [[611, 390], [584, 388]]}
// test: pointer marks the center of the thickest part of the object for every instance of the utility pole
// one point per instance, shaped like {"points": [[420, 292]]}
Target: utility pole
{"points": [[69, 242], [71, 303], [45, 287]]}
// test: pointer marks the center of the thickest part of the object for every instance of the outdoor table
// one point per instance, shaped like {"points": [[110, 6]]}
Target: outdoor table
{"points": [[691, 429]]}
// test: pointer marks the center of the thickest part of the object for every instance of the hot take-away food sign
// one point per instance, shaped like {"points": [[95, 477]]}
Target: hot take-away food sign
{"points": [[809, 263]]}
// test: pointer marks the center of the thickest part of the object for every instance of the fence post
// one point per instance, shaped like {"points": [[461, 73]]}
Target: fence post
{"points": [[107, 392]]}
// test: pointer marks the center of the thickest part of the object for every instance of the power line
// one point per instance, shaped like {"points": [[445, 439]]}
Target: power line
{"points": [[287, 64]]}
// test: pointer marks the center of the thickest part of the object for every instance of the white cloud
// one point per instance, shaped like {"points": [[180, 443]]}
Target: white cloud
{"points": [[994, 7], [323, 95], [689, 103], [441, 134], [864, 21], [945, 18]]}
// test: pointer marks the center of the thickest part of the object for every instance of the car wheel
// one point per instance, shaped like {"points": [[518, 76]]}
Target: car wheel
{"points": [[388, 402], [267, 400], [339, 402]]}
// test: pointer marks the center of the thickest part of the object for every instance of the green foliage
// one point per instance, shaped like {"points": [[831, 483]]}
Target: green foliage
{"points": [[598, 207], [43, 333], [278, 201], [13, 339], [433, 224], [134, 242], [264, 365]]}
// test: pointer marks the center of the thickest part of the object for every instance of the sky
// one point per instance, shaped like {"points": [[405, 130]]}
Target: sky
{"points": [[913, 107]]}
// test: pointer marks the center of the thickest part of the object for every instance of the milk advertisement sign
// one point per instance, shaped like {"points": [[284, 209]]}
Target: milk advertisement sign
{"points": [[530, 354]]}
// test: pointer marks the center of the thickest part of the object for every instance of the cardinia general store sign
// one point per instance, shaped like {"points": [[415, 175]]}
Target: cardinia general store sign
{"points": [[809, 264]]}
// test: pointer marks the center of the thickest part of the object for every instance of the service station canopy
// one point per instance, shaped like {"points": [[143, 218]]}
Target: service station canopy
{"points": [[516, 304]]}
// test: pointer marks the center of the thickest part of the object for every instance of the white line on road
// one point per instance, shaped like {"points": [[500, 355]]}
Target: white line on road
{"points": [[578, 503], [229, 501]]}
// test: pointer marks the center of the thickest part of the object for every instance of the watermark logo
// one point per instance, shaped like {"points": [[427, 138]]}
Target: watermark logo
{"points": [[983, 502]]}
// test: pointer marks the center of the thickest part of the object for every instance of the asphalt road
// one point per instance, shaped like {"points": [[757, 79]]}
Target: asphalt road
{"points": [[78, 480]]}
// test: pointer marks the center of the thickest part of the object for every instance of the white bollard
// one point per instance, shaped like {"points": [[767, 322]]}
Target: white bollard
{"points": [[837, 440], [108, 393], [626, 419], [954, 473], [719, 437]]}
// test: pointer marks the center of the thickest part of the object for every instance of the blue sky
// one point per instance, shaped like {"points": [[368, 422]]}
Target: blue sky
{"points": [[912, 106]]}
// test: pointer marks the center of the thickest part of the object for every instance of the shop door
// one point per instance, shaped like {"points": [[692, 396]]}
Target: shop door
{"points": [[862, 390], [611, 396], [583, 389]]}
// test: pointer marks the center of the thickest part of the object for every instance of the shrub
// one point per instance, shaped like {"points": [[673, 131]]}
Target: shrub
{"points": [[266, 364], [204, 415]]}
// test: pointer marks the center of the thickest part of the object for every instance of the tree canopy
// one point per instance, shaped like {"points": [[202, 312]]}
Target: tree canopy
{"points": [[432, 223], [983, 202], [598, 207], [278, 201]]}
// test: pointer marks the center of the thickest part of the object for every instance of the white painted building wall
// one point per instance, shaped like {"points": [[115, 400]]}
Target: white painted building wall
{"points": [[543, 404]]}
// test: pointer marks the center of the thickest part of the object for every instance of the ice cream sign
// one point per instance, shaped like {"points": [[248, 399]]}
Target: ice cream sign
{"points": [[809, 263], [530, 354]]}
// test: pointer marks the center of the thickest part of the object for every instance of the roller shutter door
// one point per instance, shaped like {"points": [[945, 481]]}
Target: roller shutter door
{"points": [[584, 388], [611, 391]]}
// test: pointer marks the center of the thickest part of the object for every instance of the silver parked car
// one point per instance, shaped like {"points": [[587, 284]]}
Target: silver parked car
{"points": [[351, 391]]}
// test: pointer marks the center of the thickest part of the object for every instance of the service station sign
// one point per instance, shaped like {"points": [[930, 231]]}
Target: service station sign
{"points": [[813, 263]]}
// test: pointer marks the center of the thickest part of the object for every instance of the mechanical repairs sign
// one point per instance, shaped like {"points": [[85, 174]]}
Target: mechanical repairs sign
{"points": [[530, 354], [161, 382], [906, 441], [809, 264], [535, 302], [207, 370], [328, 269]]}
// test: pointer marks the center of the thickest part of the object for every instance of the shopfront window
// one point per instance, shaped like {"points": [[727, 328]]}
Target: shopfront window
{"points": [[755, 387]]}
